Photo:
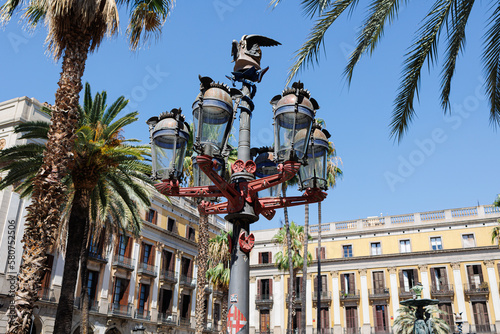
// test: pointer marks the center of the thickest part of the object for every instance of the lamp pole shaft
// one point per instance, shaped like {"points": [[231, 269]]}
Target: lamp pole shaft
{"points": [[239, 284]]}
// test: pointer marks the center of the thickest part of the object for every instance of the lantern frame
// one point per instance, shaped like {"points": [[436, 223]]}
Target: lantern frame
{"points": [[309, 175], [161, 128], [294, 102]]}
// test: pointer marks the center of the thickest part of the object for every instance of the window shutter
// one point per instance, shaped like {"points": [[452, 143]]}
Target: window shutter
{"points": [[352, 283], [498, 267], [171, 266], [190, 269], [316, 283], [433, 277], [124, 297], [155, 217], [271, 257], [401, 280], [271, 286], [258, 287], [324, 284], [151, 260], [342, 282], [117, 244], [415, 276], [323, 253], [444, 277], [470, 273], [480, 271], [128, 249], [260, 258]]}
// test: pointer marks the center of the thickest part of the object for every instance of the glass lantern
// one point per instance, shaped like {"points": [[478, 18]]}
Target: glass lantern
{"points": [[200, 178], [293, 114], [212, 116], [313, 174], [169, 135]]}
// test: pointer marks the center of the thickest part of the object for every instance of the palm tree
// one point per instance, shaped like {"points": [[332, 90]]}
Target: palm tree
{"points": [[107, 178], [218, 269], [445, 17], [291, 247], [75, 28], [406, 318]]}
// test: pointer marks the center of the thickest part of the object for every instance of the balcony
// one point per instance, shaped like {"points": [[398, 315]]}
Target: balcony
{"points": [[187, 282], [147, 269], [120, 310], [93, 304], [123, 262], [379, 330], [298, 298], [46, 295], [167, 318], [167, 276], [356, 330], [444, 290], [379, 294], [325, 297], [477, 291], [486, 329], [264, 301], [405, 293], [351, 297], [97, 257], [142, 314], [185, 322], [321, 331]]}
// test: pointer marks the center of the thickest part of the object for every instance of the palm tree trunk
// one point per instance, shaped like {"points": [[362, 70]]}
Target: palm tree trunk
{"points": [[224, 307], [49, 193], [304, 270], [202, 271], [318, 302], [84, 276], [76, 228], [291, 290]]}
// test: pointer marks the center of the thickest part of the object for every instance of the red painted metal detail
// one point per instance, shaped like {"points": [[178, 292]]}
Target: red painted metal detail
{"points": [[238, 166], [246, 243], [247, 191], [230, 242], [250, 166]]}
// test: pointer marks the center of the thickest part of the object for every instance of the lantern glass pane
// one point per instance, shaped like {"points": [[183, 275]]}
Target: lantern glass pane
{"points": [[164, 154], [314, 174], [214, 120], [267, 167], [292, 128], [200, 178]]}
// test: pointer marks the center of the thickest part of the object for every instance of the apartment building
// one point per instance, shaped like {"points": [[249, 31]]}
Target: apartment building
{"points": [[149, 280], [369, 265]]}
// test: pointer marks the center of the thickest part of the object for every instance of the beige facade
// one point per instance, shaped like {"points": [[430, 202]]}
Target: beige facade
{"points": [[369, 266], [149, 280]]}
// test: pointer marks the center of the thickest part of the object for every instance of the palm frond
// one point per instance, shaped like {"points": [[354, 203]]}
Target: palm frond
{"points": [[456, 43], [381, 11], [146, 20], [308, 54], [424, 49], [491, 60]]}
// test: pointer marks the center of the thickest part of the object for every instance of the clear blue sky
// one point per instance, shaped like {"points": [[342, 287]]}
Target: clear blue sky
{"points": [[443, 162]]}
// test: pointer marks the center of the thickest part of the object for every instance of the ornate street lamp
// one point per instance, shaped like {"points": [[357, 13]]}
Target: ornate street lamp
{"points": [[214, 112], [313, 174], [293, 116], [139, 329], [169, 135]]}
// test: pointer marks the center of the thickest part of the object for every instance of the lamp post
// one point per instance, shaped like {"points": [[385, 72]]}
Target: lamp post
{"points": [[214, 111]]}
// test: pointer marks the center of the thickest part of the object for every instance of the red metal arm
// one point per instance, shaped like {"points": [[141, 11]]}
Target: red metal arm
{"points": [[310, 196], [171, 188], [286, 171]]}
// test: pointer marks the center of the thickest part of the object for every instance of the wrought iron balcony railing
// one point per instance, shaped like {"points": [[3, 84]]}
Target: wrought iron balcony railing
{"points": [[476, 289], [93, 304], [349, 295], [123, 262], [481, 328], [168, 276], [47, 295], [405, 292], [187, 281], [147, 269], [442, 290], [97, 256], [381, 330], [142, 314], [121, 310], [263, 298], [167, 318], [378, 293]]}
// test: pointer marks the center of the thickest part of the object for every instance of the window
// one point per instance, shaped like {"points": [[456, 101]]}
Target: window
{"points": [[165, 301], [168, 261], [347, 250], [265, 257], [439, 279], [265, 288], [404, 246], [475, 276], [376, 248], [436, 243], [347, 284], [468, 240], [320, 253], [120, 293], [92, 284], [170, 224], [190, 233], [408, 278], [151, 216], [124, 248], [143, 299]]}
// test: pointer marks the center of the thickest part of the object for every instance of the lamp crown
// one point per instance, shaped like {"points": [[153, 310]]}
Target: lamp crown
{"points": [[174, 113]]}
